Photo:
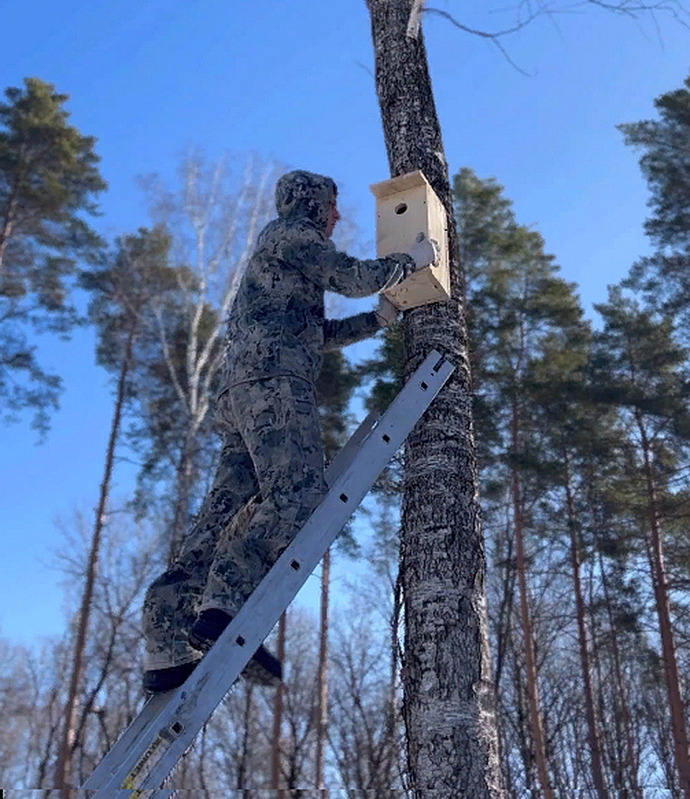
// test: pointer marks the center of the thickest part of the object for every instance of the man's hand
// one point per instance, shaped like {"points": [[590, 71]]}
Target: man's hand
{"points": [[424, 251], [386, 312]]}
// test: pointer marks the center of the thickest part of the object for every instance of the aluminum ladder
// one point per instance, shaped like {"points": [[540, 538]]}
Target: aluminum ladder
{"points": [[150, 747]]}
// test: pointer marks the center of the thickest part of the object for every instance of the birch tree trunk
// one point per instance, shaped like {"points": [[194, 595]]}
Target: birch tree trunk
{"points": [[449, 701]]}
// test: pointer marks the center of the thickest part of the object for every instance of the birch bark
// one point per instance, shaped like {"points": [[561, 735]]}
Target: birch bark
{"points": [[449, 702]]}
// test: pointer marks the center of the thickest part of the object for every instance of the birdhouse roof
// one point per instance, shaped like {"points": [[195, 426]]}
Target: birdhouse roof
{"points": [[387, 188]]}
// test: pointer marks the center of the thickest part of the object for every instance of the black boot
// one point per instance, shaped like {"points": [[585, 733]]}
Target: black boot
{"points": [[263, 669], [156, 681]]}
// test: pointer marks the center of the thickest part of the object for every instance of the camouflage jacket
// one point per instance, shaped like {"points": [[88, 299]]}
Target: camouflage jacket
{"points": [[276, 326]]}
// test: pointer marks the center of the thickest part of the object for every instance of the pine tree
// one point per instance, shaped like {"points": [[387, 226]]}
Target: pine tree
{"points": [[124, 284], [665, 163], [518, 304], [573, 427], [49, 179], [643, 370]]}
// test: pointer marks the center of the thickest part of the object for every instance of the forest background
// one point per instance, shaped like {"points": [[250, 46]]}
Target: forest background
{"points": [[293, 88]]}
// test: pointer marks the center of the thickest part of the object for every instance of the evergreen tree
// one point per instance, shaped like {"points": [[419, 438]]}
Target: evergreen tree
{"points": [[122, 286], [520, 298], [665, 163], [642, 369], [49, 179], [575, 432]]}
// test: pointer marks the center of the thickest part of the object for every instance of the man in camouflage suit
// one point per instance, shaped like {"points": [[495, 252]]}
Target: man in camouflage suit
{"points": [[271, 471]]}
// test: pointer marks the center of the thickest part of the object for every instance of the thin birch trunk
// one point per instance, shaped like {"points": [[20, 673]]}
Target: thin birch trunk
{"points": [[322, 676], [449, 699], [68, 740]]}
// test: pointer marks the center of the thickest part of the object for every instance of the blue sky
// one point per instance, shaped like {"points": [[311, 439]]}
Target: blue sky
{"points": [[293, 81]]}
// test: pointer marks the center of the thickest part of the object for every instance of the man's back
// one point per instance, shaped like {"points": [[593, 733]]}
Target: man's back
{"points": [[275, 327]]}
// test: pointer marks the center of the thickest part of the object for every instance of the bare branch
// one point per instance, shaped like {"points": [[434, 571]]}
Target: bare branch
{"points": [[495, 37], [630, 8]]}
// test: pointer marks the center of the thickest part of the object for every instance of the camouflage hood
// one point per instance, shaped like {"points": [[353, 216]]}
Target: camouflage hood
{"points": [[304, 195]]}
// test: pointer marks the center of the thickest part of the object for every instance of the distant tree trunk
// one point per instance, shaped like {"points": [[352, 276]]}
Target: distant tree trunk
{"points": [[576, 560], [675, 699], [526, 619], [620, 694], [523, 727], [392, 749], [276, 744], [622, 705], [245, 753], [449, 700], [322, 676], [68, 741]]}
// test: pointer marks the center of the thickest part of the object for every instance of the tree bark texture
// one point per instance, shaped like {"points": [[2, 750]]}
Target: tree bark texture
{"points": [[68, 740], [449, 701]]}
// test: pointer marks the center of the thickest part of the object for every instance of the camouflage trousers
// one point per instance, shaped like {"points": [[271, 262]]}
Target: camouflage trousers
{"points": [[269, 479]]}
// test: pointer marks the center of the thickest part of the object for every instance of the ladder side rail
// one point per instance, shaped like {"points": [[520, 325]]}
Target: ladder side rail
{"points": [[194, 702], [349, 452], [153, 707]]}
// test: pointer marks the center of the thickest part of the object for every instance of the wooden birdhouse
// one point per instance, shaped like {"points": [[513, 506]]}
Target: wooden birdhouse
{"points": [[405, 207]]}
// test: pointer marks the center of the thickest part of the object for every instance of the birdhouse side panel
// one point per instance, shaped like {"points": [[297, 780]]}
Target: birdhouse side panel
{"points": [[438, 230]]}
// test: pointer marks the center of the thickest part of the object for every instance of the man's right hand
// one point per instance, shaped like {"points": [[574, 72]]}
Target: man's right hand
{"points": [[424, 251]]}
